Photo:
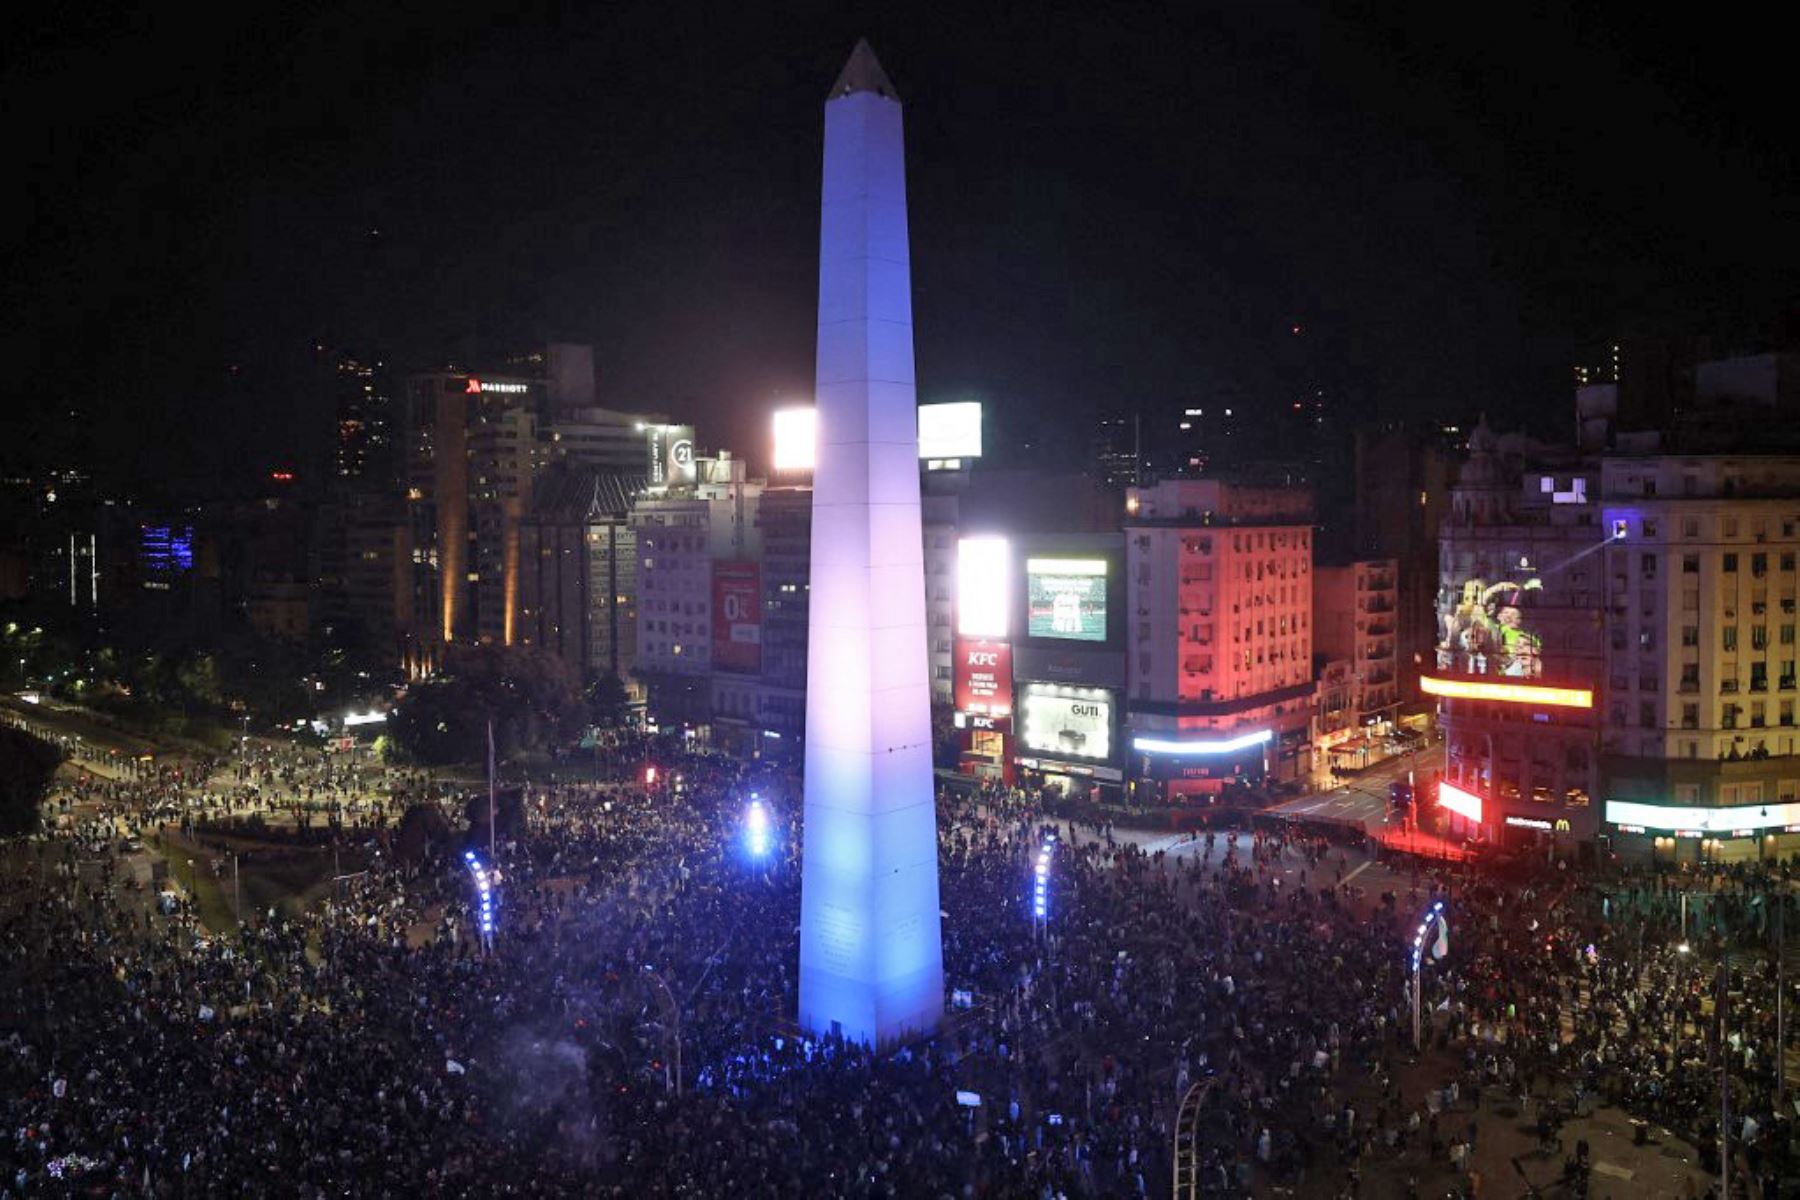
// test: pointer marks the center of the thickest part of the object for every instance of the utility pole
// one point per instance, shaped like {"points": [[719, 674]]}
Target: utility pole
{"points": [[1724, 1086], [493, 844]]}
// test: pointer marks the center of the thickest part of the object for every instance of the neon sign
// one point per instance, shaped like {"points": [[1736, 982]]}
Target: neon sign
{"points": [[476, 388], [1150, 745], [1507, 693]]}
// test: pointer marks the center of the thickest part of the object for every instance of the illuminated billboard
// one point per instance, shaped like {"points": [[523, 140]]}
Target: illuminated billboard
{"points": [[1486, 629], [1066, 598], [950, 430], [983, 599], [1067, 722], [983, 677], [796, 439], [1464, 804], [1507, 693], [737, 617], [672, 455]]}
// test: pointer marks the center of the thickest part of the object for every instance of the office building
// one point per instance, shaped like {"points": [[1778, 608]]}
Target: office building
{"points": [[1220, 657]]}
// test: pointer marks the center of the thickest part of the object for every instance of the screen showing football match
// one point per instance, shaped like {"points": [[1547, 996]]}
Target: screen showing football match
{"points": [[1066, 598]]}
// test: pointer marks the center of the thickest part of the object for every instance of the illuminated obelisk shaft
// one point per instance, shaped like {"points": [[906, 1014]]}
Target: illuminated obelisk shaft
{"points": [[871, 951]]}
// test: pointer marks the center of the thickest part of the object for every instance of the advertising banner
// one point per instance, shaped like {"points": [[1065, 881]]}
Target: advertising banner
{"points": [[1067, 722], [737, 617], [983, 676], [672, 455]]}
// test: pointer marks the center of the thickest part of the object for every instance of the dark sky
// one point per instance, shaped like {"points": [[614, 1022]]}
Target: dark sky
{"points": [[1111, 205]]}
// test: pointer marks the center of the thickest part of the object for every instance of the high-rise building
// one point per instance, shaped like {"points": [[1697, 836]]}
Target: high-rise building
{"points": [[1220, 655], [475, 443], [1354, 624], [1403, 480], [577, 591], [871, 951], [1616, 658], [1698, 579], [698, 548], [363, 450]]}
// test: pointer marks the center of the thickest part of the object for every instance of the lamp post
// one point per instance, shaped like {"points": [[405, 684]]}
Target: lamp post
{"points": [[675, 1018], [1434, 913]]}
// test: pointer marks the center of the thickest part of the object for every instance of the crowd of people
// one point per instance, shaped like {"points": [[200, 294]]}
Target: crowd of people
{"points": [[630, 1029]]}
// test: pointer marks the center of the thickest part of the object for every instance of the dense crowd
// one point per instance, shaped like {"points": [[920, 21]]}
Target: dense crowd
{"points": [[630, 1031]]}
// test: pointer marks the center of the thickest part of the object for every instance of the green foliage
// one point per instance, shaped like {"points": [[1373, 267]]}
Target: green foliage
{"points": [[27, 765], [530, 696], [606, 700]]}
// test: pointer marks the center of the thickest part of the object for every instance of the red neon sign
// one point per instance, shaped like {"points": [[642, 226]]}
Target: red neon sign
{"points": [[474, 388]]}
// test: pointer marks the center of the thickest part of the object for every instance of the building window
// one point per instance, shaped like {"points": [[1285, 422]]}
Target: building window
{"points": [[1690, 635], [1759, 565], [1647, 714], [1648, 566], [1690, 677], [1787, 676], [1690, 716], [1690, 564], [1730, 637], [1759, 637], [1730, 566]]}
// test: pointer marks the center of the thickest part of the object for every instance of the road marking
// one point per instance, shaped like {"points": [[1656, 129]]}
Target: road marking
{"points": [[1359, 870]]}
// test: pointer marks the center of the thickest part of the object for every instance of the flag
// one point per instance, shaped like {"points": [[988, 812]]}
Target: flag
{"points": [[1441, 947]]}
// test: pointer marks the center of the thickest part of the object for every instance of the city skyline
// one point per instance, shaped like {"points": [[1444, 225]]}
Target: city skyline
{"points": [[1446, 222]]}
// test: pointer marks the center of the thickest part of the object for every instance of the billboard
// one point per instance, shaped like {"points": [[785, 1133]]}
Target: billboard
{"points": [[796, 439], [1486, 629], [983, 677], [950, 430], [737, 617], [671, 455], [1060, 721], [983, 599], [1066, 598]]}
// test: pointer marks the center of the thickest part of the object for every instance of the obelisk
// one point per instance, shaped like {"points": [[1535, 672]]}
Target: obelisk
{"points": [[871, 951]]}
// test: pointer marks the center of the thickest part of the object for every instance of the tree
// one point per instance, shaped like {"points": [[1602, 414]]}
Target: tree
{"points": [[27, 764], [606, 700], [531, 698]]}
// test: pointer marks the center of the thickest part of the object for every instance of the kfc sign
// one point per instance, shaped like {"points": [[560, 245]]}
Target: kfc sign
{"points": [[983, 677]]}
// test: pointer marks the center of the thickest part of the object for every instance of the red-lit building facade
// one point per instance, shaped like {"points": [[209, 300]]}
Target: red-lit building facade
{"points": [[1219, 658]]}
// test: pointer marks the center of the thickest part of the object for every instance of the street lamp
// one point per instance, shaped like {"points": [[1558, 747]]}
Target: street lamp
{"points": [[757, 833], [1040, 888]]}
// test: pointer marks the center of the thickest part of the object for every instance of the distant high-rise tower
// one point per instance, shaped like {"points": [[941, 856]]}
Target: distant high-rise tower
{"points": [[871, 950]]}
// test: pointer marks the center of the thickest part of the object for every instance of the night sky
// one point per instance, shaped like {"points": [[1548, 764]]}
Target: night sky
{"points": [[1112, 206]]}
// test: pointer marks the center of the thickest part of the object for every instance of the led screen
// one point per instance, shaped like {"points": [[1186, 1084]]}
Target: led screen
{"points": [[982, 595], [950, 430], [1487, 629], [796, 439], [1066, 598], [1067, 722]]}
